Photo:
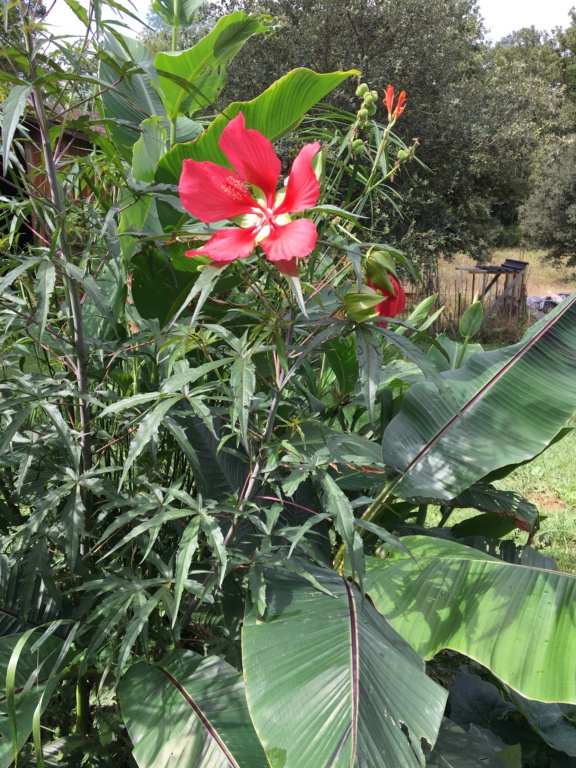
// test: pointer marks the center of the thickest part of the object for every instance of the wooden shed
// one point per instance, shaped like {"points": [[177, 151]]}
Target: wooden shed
{"points": [[501, 289]]}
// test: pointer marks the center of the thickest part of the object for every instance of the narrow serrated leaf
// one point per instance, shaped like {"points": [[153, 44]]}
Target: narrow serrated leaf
{"points": [[187, 548], [12, 110], [369, 356], [243, 382], [45, 282], [337, 503], [147, 429]]}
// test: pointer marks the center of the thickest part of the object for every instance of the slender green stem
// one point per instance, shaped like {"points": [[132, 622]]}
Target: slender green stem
{"points": [[270, 421], [462, 352], [446, 512], [82, 705], [65, 255], [370, 516], [422, 513]]}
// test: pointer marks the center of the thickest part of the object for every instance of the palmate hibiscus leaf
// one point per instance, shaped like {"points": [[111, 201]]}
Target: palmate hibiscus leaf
{"points": [[329, 682]]}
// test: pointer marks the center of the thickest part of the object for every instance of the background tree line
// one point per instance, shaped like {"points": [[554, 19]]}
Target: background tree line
{"points": [[495, 122]]}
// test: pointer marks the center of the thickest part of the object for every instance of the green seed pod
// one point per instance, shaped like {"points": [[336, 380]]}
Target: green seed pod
{"points": [[362, 114], [371, 109], [361, 90], [368, 99], [357, 144], [402, 154], [374, 95]]}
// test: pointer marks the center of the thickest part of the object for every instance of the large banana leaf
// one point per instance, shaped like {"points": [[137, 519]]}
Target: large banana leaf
{"points": [[518, 621], [188, 711], [274, 113], [456, 748], [512, 402], [131, 98], [190, 80], [330, 683], [182, 15]]}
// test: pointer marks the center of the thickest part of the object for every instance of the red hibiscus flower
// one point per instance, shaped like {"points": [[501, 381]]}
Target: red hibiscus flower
{"points": [[213, 193], [388, 101], [392, 305]]}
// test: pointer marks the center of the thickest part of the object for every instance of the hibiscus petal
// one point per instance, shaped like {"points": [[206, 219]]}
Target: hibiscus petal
{"points": [[212, 193], [290, 241], [392, 305], [226, 245], [287, 267], [302, 190], [252, 156]]}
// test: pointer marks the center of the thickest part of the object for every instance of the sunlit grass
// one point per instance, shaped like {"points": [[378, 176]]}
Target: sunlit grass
{"points": [[550, 483]]}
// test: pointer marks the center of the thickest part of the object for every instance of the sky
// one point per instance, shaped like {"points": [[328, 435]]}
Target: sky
{"points": [[504, 16], [500, 16]]}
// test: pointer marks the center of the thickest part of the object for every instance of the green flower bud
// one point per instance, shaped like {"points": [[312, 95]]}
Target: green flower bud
{"points": [[379, 267], [362, 114], [361, 306], [361, 90]]}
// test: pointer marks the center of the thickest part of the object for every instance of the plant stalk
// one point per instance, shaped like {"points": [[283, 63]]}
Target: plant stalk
{"points": [[71, 286]]}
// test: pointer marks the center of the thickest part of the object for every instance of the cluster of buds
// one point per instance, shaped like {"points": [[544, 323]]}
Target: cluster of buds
{"points": [[382, 296], [369, 99]]}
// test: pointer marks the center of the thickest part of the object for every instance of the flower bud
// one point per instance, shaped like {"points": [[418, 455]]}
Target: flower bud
{"points": [[361, 90], [379, 267], [361, 306]]}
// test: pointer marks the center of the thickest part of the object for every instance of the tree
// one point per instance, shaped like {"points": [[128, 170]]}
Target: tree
{"points": [[549, 215]]}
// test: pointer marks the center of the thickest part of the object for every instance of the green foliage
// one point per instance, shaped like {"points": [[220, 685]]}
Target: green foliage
{"points": [[189, 711], [484, 588], [191, 453], [333, 687], [548, 216]]}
